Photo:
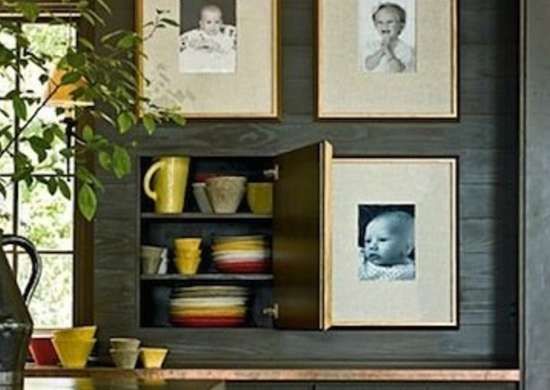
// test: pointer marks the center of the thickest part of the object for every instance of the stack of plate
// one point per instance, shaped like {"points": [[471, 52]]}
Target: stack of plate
{"points": [[241, 254], [208, 306]]}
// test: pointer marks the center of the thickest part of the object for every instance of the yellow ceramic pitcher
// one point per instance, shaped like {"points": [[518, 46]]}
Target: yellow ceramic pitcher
{"points": [[169, 184]]}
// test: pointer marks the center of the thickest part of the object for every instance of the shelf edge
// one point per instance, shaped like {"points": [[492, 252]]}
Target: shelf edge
{"points": [[322, 375]]}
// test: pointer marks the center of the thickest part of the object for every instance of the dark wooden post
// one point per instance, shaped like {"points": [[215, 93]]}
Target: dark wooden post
{"points": [[536, 149]]}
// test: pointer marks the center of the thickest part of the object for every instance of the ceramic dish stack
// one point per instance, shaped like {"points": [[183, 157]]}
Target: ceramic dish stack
{"points": [[208, 306], [241, 254]]}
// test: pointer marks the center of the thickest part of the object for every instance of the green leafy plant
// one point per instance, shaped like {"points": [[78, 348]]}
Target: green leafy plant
{"points": [[103, 72]]}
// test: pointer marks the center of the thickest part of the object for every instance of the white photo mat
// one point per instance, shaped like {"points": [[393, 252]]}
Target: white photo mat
{"points": [[345, 91], [250, 91], [429, 299]]}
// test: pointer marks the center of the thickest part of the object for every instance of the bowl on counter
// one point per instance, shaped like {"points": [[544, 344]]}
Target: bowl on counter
{"points": [[42, 351], [125, 359], [73, 353], [124, 343], [79, 332], [153, 357]]}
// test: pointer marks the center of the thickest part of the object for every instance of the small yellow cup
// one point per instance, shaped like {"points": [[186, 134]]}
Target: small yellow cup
{"points": [[260, 197], [187, 243], [153, 357], [188, 252], [187, 265]]}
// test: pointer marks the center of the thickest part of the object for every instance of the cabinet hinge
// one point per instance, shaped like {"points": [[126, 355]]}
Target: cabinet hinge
{"points": [[272, 311], [272, 174]]}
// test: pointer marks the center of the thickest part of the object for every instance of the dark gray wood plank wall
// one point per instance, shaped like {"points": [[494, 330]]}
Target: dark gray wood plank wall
{"points": [[536, 355], [486, 140]]}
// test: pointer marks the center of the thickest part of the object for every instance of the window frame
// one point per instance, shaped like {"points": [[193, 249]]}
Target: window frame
{"points": [[83, 230]]}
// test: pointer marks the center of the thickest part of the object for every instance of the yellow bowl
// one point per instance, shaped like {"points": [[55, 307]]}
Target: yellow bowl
{"points": [[187, 266], [153, 357], [73, 353], [260, 197], [78, 333]]}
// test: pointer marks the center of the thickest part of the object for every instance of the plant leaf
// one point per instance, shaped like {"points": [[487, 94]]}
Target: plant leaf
{"points": [[87, 201], [64, 188], [70, 78], [19, 107], [88, 133], [105, 160], [29, 10], [149, 123], [52, 185], [125, 121], [177, 118], [121, 162]]}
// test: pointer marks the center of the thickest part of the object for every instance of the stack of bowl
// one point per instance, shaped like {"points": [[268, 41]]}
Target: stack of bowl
{"points": [[187, 255], [124, 352], [208, 306], [241, 254], [74, 345], [151, 259]]}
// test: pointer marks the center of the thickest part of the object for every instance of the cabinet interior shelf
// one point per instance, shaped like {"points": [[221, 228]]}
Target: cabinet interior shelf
{"points": [[205, 216], [212, 276]]}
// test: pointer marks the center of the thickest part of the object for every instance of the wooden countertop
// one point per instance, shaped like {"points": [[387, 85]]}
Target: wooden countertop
{"points": [[348, 375], [104, 384]]}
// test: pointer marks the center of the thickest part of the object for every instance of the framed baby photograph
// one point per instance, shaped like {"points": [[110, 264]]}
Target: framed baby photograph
{"points": [[221, 61], [387, 59], [393, 257]]}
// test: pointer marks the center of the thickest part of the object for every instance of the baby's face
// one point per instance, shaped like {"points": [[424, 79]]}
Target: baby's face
{"points": [[211, 22], [386, 243], [388, 24]]}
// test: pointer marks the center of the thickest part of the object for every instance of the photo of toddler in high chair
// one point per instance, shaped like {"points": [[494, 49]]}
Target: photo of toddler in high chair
{"points": [[208, 40], [386, 236]]}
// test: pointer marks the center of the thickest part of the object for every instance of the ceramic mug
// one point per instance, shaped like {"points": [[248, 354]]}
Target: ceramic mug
{"points": [[169, 185]]}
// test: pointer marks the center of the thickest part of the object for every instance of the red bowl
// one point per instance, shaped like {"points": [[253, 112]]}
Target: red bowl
{"points": [[43, 352]]}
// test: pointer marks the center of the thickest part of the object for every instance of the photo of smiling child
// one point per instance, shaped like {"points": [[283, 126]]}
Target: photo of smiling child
{"points": [[208, 40], [386, 242], [387, 36]]}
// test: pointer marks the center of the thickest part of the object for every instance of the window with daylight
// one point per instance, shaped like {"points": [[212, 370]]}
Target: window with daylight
{"points": [[30, 211]]}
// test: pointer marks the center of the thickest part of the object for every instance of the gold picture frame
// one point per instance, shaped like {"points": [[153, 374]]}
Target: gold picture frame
{"points": [[365, 194], [251, 90], [347, 88]]}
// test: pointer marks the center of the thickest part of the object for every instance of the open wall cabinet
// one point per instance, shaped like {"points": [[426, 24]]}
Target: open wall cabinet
{"points": [[302, 290]]}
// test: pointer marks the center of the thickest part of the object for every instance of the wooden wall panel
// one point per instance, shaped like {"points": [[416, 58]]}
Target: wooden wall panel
{"points": [[486, 140], [536, 354]]}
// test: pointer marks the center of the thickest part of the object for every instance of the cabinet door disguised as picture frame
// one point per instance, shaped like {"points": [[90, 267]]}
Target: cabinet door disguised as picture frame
{"points": [[222, 61], [394, 243], [387, 59]]}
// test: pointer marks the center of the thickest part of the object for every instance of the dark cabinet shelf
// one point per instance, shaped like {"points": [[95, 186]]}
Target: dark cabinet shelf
{"points": [[212, 276], [191, 216]]}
